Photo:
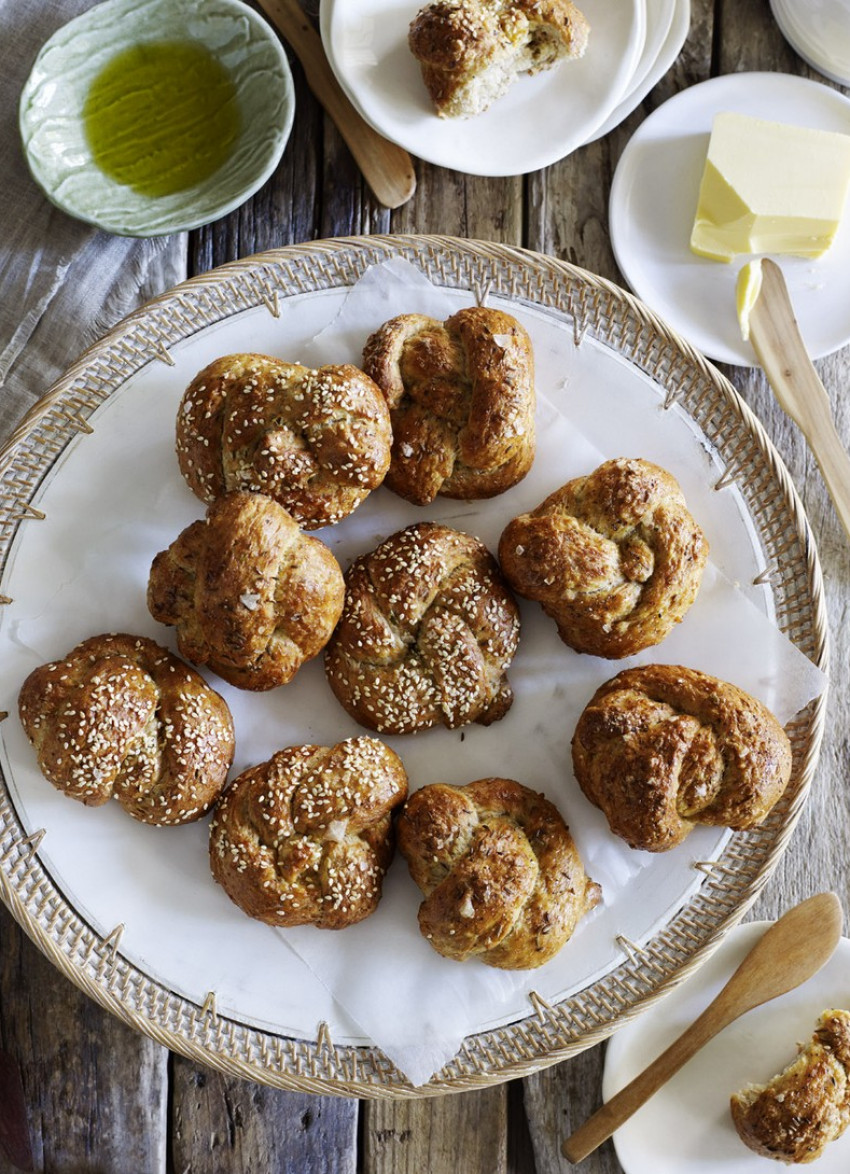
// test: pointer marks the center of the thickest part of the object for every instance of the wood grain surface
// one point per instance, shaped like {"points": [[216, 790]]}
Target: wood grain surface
{"points": [[103, 1099]]}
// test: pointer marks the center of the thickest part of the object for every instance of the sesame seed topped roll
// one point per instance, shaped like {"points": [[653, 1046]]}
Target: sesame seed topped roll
{"points": [[427, 633], [461, 398], [317, 441], [250, 595], [121, 717], [305, 838]]}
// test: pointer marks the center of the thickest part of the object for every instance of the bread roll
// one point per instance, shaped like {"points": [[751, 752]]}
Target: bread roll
{"points": [[317, 441], [502, 879], [427, 633], [121, 717], [798, 1113], [461, 399], [471, 51], [663, 748], [615, 558], [250, 595], [305, 838]]}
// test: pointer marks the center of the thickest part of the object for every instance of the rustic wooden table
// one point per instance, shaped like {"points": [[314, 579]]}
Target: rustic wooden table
{"points": [[102, 1098]]}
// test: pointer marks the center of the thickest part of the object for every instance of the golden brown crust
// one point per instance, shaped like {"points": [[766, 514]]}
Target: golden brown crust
{"points": [[663, 748], [795, 1115], [250, 595], [121, 717], [317, 441], [502, 879], [305, 838], [427, 633], [471, 51], [615, 558], [461, 399]]}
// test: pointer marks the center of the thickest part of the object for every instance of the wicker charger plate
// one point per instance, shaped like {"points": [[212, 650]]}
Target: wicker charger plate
{"points": [[732, 880]]}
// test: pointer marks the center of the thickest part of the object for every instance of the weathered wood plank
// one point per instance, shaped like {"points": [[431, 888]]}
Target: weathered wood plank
{"points": [[96, 1090], [442, 1135], [221, 1124]]}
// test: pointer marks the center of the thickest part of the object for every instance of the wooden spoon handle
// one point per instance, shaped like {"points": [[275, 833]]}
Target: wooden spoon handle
{"points": [[628, 1100], [387, 168], [782, 353]]}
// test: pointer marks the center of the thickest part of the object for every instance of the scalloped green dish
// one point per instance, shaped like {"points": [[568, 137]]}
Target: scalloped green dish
{"points": [[242, 90]]}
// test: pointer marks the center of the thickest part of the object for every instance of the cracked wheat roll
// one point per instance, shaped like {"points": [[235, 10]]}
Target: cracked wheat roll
{"points": [[427, 633], [317, 441], [614, 558], [121, 717], [461, 399], [800, 1111], [305, 838], [249, 594], [660, 749], [471, 51], [502, 879]]}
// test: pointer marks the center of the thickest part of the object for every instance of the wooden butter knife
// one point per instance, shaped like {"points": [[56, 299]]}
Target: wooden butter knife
{"points": [[387, 168], [782, 353]]}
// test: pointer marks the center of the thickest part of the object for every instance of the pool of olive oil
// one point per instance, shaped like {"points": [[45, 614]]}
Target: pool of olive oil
{"points": [[162, 117]]}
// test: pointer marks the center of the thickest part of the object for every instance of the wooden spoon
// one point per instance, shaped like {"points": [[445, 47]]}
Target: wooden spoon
{"points": [[790, 951], [387, 169], [781, 351]]}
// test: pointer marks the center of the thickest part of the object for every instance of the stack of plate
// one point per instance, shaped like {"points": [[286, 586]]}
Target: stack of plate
{"points": [[820, 32], [540, 120]]}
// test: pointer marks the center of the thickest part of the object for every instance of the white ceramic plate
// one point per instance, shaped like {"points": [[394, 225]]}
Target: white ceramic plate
{"points": [[819, 30], [676, 32], [654, 199], [686, 1128], [54, 95], [540, 120]]}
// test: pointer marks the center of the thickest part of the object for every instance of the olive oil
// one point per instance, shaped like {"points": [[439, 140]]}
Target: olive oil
{"points": [[162, 117]]}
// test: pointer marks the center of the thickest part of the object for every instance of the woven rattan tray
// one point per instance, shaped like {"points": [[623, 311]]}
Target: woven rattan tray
{"points": [[548, 1033]]}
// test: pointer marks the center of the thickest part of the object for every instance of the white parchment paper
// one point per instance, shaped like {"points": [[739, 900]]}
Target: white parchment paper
{"points": [[116, 497]]}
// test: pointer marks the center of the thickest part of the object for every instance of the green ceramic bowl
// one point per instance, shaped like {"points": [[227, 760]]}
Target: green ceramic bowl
{"points": [[53, 99]]}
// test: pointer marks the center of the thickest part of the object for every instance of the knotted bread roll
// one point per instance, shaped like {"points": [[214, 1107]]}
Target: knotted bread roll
{"points": [[799, 1112], [121, 717], [471, 51], [305, 838], [427, 633], [615, 558], [250, 595], [317, 441], [461, 399], [663, 748], [502, 879]]}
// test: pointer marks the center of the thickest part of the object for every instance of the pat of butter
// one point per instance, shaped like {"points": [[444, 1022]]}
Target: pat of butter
{"points": [[747, 291], [770, 188]]}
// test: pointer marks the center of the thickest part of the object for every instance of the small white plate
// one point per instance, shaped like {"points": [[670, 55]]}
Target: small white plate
{"points": [[540, 120], [819, 30], [53, 98], [675, 25], [654, 199], [686, 1128]]}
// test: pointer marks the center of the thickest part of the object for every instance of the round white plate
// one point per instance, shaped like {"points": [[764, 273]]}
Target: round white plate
{"points": [[54, 95], [686, 1127], [654, 199], [676, 31], [539, 120], [819, 30]]}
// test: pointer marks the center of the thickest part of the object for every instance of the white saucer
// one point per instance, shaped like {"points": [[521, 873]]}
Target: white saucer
{"points": [[819, 31], [654, 198], [686, 1128], [675, 34], [539, 121]]}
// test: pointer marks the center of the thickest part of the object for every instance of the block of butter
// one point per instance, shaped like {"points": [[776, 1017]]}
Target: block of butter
{"points": [[770, 188]]}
